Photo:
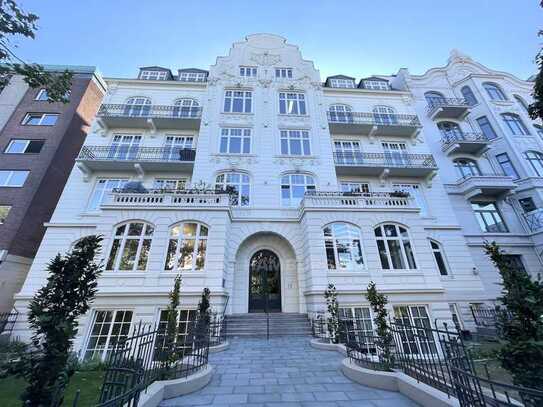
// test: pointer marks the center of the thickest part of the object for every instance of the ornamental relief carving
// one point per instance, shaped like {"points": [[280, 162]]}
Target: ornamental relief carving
{"points": [[265, 59], [296, 120], [233, 161], [235, 119], [298, 163]]}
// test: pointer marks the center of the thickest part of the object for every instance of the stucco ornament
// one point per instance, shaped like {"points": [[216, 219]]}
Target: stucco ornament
{"points": [[265, 59]]}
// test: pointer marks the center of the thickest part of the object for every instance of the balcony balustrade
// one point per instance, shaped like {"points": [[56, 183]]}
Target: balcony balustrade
{"points": [[447, 108], [534, 220], [374, 124], [167, 198], [464, 143], [371, 200], [481, 185], [153, 117]]}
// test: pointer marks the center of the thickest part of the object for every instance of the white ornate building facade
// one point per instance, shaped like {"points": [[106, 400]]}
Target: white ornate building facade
{"points": [[339, 182]]}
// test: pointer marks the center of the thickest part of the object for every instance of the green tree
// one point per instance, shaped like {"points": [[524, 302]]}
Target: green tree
{"points": [[53, 314], [203, 307], [169, 348], [16, 22], [378, 304], [330, 294], [521, 323], [536, 108]]}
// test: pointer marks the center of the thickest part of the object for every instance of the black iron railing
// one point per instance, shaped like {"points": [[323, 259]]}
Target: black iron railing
{"points": [[150, 111], [217, 329], [137, 153], [393, 160], [319, 327], [7, 322], [437, 103], [534, 219], [376, 119], [451, 138]]}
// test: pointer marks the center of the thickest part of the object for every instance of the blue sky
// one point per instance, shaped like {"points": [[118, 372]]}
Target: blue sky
{"points": [[358, 38]]}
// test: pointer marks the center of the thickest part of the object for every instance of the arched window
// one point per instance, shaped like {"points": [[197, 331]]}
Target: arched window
{"points": [[343, 247], [130, 247], [439, 256], [521, 102], [466, 167], [434, 98], [137, 106], [494, 92], [515, 124], [535, 158], [294, 187], [187, 247], [384, 115], [186, 108], [395, 249], [340, 113], [450, 131], [539, 130], [468, 95], [237, 184]]}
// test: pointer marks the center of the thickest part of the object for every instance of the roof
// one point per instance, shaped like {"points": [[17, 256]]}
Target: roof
{"points": [[156, 68], [340, 77], [374, 78], [192, 70]]}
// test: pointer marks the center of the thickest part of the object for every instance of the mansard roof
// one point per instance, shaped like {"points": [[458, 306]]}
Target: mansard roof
{"points": [[192, 70], [154, 68]]}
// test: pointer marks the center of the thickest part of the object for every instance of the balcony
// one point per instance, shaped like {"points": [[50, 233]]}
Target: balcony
{"points": [[465, 143], [447, 108], [374, 124], [149, 117], [485, 186], [166, 199], [121, 158], [534, 220], [384, 164], [350, 200]]}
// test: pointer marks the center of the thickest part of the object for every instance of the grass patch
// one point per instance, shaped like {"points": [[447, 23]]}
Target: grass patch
{"points": [[89, 382]]}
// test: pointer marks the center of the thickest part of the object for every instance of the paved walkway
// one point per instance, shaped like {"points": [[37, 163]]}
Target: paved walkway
{"points": [[285, 372]]}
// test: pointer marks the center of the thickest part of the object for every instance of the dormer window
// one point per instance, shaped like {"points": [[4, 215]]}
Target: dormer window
{"points": [[342, 83], [153, 75], [283, 73], [375, 84], [248, 71], [192, 76]]}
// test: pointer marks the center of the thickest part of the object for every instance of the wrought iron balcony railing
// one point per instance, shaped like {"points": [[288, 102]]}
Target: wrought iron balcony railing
{"points": [[534, 219], [400, 160], [488, 176], [445, 102], [452, 138], [136, 153], [150, 111], [375, 119], [377, 200]]}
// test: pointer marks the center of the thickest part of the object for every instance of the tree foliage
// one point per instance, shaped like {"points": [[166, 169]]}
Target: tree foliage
{"points": [[203, 307], [172, 327], [536, 108], [16, 22], [332, 323], [53, 314], [378, 304], [521, 324]]}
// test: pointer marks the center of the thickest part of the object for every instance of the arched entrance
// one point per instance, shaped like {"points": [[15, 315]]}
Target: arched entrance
{"points": [[264, 282]]}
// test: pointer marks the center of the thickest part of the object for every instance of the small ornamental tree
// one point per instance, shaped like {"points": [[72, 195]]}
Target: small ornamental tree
{"points": [[330, 294], [521, 324], [204, 307], [378, 304], [169, 353], [53, 314]]}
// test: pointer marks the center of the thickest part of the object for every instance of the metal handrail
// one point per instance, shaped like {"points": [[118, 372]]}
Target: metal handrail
{"points": [[482, 175], [150, 111], [450, 138], [442, 102], [378, 119], [534, 219], [400, 160], [137, 153]]}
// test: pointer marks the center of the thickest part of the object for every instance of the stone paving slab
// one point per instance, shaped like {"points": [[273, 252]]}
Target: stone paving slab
{"points": [[283, 372]]}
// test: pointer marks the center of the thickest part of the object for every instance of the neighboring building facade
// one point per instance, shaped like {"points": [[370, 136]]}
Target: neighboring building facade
{"points": [[332, 182], [39, 142]]}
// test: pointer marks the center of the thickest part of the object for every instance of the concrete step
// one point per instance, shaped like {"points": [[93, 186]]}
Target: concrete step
{"points": [[256, 324]]}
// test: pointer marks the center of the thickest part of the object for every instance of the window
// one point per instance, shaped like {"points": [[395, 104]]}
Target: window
{"points": [[469, 96], [294, 187], [486, 128], [40, 119], [178, 148], [466, 167], [514, 261], [235, 141], [521, 102], [137, 106], [395, 154], [170, 184], [535, 158], [376, 85], [343, 247], [439, 257], [153, 75], [506, 165], [124, 147], [515, 124], [292, 103], [283, 73], [238, 184], [450, 131], [359, 322], [187, 247], [247, 71], [355, 187], [341, 83], [527, 204], [384, 115], [4, 212], [340, 113], [13, 178], [457, 320], [42, 95], [295, 142], [238, 101], [102, 188], [539, 130], [493, 91], [186, 108], [192, 76], [415, 191], [489, 217], [418, 341], [347, 152], [130, 247], [108, 329], [185, 318], [22, 146], [394, 245], [434, 98]]}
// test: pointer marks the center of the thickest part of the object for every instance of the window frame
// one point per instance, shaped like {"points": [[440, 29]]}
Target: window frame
{"points": [[28, 116], [491, 133], [479, 216], [103, 354], [503, 164], [533, 156], [512, 118], [10, 175], [245, 137], [468, 95], [371, 84], [284, 73], [472, 165], [354, 233], [4, 213], [427, 347], [288, 136], [146, 75], [180, 183], [179, 238], [494, 92], [307, 187], [230, 99], [342, 83], [439, 250], [252, 71], [192, 76], [298, 103], [401, 244], [120, 250], [40, 95], [27, 142], [241, 192], [103, 191]]}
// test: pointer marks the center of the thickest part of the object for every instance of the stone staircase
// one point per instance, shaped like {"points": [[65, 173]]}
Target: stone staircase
{"points": [[256, 324]]}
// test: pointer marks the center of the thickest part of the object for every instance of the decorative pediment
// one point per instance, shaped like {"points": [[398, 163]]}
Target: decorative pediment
{"points": [[265, 59]]}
